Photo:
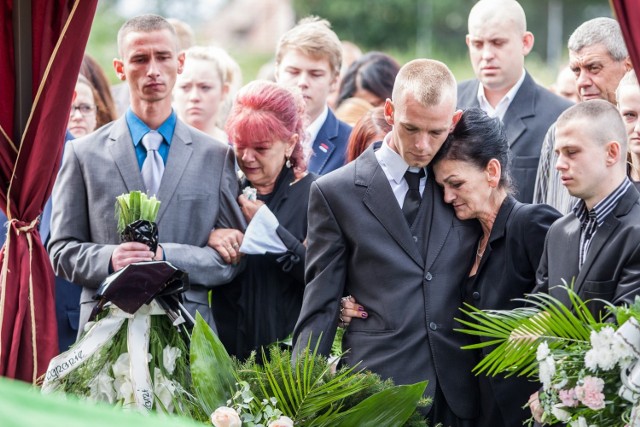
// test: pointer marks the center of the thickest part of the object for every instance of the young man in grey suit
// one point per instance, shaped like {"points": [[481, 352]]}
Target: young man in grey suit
{"points": [[498, 42], [379, 229], [596, 245], [197, 189]]}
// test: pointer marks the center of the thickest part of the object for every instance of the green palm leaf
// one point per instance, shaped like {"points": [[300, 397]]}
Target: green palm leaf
{"points": [[391, 407], [211, 367], [305, 393], [516, 333]]}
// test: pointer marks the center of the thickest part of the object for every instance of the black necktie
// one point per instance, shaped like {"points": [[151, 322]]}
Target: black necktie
{"points": [[413, 197]]}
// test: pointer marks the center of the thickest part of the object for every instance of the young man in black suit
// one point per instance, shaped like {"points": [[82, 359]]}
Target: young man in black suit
{"points": [[498, 42], [595, 247], [379, 229]]}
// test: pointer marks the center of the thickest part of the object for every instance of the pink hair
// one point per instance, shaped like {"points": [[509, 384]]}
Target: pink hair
{"points": [[265, 111]]}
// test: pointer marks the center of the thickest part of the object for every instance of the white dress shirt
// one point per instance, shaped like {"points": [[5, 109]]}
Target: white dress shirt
{"points": [[504, 103], [394, 167]]}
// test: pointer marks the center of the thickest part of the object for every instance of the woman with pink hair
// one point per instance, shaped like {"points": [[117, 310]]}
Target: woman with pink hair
{"points": [[261, 305]]}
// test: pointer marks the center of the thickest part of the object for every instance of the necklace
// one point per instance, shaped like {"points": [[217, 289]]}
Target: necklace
{"points": [[480, 250]]}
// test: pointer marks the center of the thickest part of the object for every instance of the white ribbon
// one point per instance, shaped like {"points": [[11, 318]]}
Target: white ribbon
{"points": [[101, 333], [629, 332]]}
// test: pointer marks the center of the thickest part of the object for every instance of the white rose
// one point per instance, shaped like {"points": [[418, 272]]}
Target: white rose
{"points": [[169, 357], [281, 422], [101, 388], [124, 390], [121, 367], [559, 412], [163, 388], [225, 417]]}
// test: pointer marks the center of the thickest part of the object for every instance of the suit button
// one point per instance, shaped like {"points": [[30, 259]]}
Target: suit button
{"points": [[415, 239], [476, 295], [428, 276], [433, 326]]}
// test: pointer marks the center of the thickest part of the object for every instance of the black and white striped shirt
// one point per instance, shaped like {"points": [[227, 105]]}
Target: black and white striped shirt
{"points": [[590, 220]]}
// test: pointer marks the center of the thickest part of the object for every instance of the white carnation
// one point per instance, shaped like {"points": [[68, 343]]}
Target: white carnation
{"points": [[546, 371], [543, 351]]}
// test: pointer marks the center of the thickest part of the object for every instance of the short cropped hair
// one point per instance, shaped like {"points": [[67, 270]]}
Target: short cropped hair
{"points": [[427, 80], [145, 24], [605, 31], [476, 139], [602, 119], [313, 37]]}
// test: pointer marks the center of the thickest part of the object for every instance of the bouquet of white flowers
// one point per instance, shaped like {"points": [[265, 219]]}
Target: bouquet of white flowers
{"points": [[135, 353], [589, 369]]}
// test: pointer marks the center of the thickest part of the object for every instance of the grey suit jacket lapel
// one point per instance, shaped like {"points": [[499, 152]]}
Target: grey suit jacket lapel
{"points": [[121, 148], [381, 201], [469, 99], [179, 155]]}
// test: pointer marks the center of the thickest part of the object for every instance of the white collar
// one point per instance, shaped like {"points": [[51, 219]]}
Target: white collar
{"points": [[394, 163], [503, 105], [314, 127]]}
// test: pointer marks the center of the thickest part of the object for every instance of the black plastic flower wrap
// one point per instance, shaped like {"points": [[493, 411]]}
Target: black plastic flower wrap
{"points": [[134, 351], [141, 231]]}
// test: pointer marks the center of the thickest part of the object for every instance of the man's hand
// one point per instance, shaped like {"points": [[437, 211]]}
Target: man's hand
{"points": [[128, 253], [227, 241]]}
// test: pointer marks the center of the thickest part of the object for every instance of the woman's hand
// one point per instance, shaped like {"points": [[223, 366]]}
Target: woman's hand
{"points": [[536, 408], [350, 309], [227, 241], [249, 207]]}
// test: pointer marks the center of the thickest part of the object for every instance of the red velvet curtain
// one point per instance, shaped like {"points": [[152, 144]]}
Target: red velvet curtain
{"points": [[627, 12], [28, 167]]}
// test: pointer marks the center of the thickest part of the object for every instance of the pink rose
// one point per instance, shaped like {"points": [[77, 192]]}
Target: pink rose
{"points": [[590, 392], [569, 398]]}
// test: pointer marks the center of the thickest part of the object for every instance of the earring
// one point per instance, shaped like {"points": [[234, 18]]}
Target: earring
{"points": [[288, 163]]}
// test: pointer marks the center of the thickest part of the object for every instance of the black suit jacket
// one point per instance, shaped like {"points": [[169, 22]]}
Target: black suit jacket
{"points": [[526, 121], [359, 243], [330, 146], [508, 271], [611, 270]]}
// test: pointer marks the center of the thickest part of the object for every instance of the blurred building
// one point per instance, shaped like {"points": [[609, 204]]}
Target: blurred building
{"points": [[250, 25]]}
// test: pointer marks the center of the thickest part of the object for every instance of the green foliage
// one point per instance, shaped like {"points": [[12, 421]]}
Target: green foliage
{"points": [[396, 404], [516, 333], [307, 391], [135, 206], [211, 367]]}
